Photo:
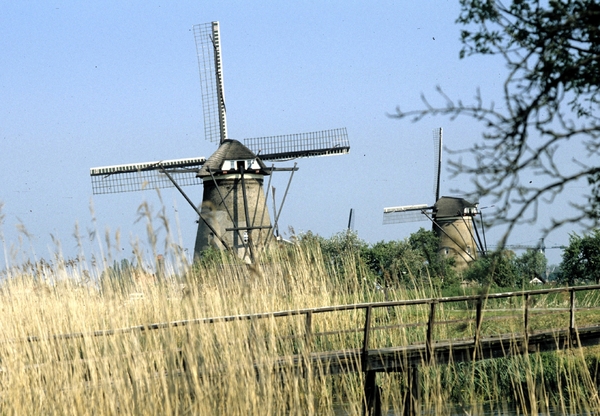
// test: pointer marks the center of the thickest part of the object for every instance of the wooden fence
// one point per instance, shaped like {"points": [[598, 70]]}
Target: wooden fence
{"points": [[524, 334]]}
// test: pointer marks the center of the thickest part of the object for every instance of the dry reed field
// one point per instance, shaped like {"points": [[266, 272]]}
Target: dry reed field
{"points": [[195, 369], [78, 340]]}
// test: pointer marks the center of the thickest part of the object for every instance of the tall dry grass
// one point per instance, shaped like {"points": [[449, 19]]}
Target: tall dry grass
{"points": [[224, 368], [230, 367]]}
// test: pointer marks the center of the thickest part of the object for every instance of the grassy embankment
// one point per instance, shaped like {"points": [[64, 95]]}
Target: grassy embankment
{"points": [[142, 372]]}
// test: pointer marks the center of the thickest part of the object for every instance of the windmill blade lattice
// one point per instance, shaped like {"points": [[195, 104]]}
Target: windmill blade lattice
{"points": [[437, 148], [232, 224], [144, 176], [208, 49], [293, 146], [407, 213]]}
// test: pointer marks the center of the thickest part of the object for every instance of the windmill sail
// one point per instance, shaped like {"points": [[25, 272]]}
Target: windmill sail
{"points": [[423, 212], [292, 146], [149, 175], [236, 219], [407, 213], [437, 147], [208, 49]]}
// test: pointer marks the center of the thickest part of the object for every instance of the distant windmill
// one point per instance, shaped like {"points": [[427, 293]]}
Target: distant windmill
{"points": [[233, 213], [452, 217], [540, 246], [351, 217]]}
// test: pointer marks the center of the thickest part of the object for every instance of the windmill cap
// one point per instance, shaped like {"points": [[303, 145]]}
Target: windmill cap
{"points": [[231, 150], [449, 206]]}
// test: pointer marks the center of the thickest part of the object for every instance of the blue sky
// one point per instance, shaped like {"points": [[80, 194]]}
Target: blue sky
{"points": [[86, 84]]}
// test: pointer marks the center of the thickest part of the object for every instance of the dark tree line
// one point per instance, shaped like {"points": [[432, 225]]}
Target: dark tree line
{"points": [[416, 261]]}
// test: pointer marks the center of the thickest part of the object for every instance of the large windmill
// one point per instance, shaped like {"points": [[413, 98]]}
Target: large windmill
{"points": [[233, 214], [452, 217]]}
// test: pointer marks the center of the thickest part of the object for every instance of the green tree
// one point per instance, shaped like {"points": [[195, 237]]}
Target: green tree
{"points": [[410, 261], [342, 243], [581, 259], [119, 276], [551, 104], [394, 261], [440, 267], [497, 268], [380, 258], [530, 265], [336, 249]]}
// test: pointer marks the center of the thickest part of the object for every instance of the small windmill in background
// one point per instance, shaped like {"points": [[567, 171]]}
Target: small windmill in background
{"points": [[351, 218], [452, 217], [233, 214]]}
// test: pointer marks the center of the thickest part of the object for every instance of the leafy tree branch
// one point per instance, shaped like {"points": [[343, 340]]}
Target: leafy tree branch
{"points": [[550, 105]]}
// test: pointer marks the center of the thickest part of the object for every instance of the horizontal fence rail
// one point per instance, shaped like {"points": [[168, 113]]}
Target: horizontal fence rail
{"points": [[309, 314]]}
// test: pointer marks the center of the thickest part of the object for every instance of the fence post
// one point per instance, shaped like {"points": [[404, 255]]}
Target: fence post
{"points": [[413, 395], [572, 333], [308, 335], [526, 322], [372, 399], [572, 310], [478, 320], [365, 348], [160, 267], [430, 327]]}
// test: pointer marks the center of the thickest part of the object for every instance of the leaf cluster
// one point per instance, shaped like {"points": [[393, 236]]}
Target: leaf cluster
{"points": [[502, 268], [119, 276], [581, 259], [409, 262]]}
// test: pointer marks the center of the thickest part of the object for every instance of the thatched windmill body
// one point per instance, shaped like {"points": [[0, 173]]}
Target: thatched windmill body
{"points": [[452, 217], [233, 214]]}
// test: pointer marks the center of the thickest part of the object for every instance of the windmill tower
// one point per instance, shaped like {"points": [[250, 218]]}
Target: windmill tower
{"points": [[233, 209], [233, 214], [452, 217]]}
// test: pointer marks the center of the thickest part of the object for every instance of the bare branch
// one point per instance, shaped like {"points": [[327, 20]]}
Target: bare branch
{"points": [[551, 104]]}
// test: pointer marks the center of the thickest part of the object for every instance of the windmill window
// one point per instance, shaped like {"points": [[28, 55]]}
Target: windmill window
{"points": [[253, 164], [446, 250], [226, 166]]}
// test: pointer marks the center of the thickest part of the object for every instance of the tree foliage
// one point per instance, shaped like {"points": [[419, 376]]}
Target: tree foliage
{"points": [[503, 268], [118, 276], [415, 262], [497, 268], [427, 243], [408, 262], [532, 264], [581, 259], [336, 251], [551, 101]]}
